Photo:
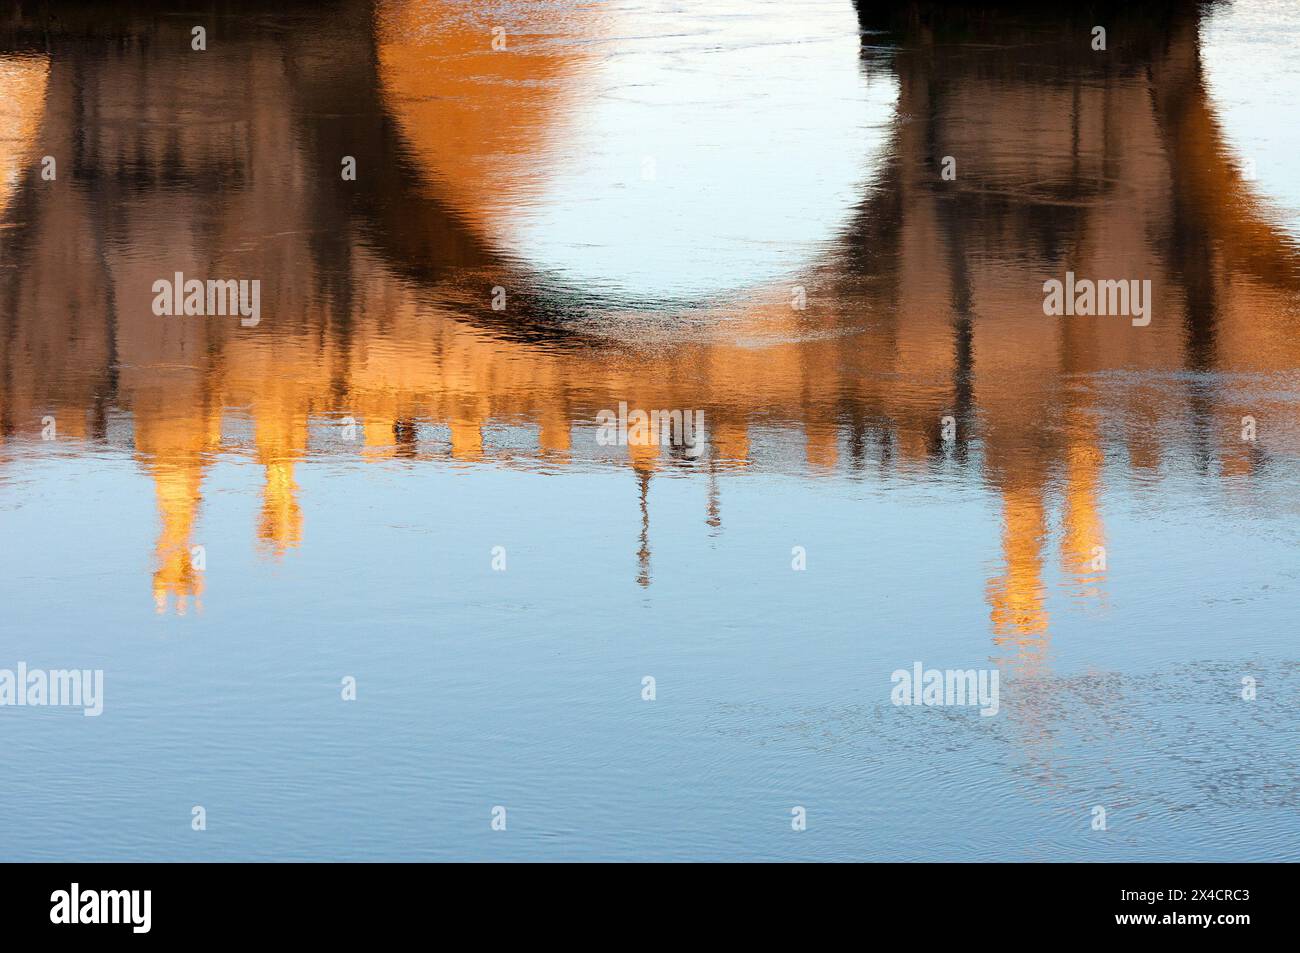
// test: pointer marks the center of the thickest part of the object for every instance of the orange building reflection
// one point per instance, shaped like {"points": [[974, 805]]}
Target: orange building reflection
{"points": [[377, 297]]}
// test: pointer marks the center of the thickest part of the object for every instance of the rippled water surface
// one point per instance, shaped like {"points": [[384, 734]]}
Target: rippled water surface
{"points": [[740, 208]]}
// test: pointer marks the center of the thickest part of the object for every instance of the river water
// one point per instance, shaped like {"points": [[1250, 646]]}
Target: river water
{"points": [[825, 232]]}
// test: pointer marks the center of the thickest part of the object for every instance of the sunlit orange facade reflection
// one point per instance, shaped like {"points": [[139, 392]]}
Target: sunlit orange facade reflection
{"points": [[920, 312]]}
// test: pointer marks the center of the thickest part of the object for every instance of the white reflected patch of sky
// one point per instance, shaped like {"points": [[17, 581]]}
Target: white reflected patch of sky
{"points": [[723, 149], [1250, 50]]}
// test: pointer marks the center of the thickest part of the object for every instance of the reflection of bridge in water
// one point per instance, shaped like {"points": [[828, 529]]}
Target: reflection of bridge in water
{"points": [[376, 300]]}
